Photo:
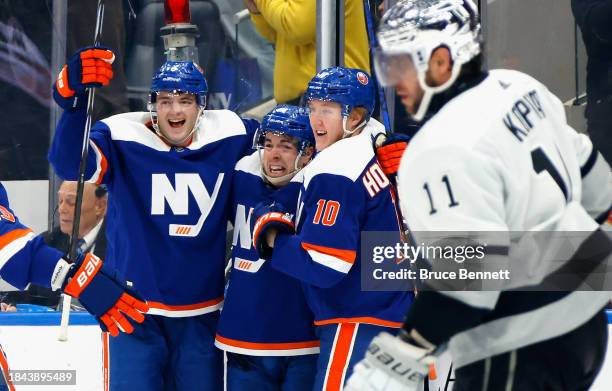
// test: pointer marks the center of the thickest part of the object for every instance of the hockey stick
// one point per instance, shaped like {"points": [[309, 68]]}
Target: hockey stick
{"points": [[384, 112], [74, 238]]}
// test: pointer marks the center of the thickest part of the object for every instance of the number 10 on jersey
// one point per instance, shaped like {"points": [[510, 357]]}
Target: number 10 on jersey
{"points": [[327, 212]]}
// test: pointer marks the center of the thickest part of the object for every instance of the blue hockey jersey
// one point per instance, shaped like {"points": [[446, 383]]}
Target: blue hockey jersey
{"points": [[344, 194], [168, 206], [24, 258], [265, 311]]}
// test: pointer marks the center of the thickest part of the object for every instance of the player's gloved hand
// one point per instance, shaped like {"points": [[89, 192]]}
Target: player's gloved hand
{"points": [[267, 218], [389, 150], [102, 294], [391, 364], [89, 67]]}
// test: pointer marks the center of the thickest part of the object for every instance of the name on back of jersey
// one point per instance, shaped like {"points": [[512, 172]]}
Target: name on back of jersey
{"points": [[519, 120]]}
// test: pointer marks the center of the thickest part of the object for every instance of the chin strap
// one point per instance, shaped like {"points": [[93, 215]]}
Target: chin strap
{"points": [[429, 91], [349, 133], [153, 115]]}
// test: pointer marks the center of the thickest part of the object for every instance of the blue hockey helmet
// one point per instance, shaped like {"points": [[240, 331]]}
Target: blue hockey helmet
{"points": [[286, 120], [349, 87], [180, 77]]}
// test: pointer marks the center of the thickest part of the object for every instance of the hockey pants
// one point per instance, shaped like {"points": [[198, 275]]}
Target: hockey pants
{"points": [[288, 373], [165, 354], [569, 362]]}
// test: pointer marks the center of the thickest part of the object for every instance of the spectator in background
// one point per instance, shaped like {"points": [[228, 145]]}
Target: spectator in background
{"points": [[91, 235], [291, 26], [594, 17]]}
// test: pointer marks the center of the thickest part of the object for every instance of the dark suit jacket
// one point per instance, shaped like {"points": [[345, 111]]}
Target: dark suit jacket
{"points": [[45, 296]]}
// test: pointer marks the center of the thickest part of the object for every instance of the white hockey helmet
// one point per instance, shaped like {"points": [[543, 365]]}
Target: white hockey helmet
{"points": [[411, 30]]}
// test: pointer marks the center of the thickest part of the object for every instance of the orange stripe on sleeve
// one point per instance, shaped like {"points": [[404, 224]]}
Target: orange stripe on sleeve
{"points": [[103, 164], [344, 255], [15, 234], [204, 304]]}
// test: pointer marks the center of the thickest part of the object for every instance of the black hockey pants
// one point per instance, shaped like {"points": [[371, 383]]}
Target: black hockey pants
{"points": [[569, 362]]}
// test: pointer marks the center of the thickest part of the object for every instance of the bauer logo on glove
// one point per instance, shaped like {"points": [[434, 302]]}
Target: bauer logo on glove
{"points": [[101, 293]]}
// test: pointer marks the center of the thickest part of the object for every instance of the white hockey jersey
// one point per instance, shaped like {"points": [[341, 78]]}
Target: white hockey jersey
{"points": [[500, 157]]}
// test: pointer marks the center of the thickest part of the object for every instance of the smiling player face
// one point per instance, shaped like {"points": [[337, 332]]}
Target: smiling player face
{"points": [[176, 116], [326, 122]]}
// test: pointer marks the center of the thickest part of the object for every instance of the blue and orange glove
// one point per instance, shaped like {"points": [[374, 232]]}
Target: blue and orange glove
{"points": [[390, 148], [267, 217], [89, 67], [104, 295]]}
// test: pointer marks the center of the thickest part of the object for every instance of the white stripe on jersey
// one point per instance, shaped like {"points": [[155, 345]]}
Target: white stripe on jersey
{"points": [[96, 175], [330, 261], [264, 352], [8, 251]]}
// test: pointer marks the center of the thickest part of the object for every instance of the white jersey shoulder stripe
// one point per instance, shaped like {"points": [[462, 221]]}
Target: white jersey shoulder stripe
{"points": [[214, 126], [347, 157], [217, 125], [131, 127], [251, 164]]}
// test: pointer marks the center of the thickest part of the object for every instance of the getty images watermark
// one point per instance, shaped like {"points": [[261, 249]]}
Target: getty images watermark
{"points": [[459, 254], [446, 261]]}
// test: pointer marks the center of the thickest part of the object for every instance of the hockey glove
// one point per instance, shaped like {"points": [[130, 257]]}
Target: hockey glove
{"points": [[390, 148], [89, 67], [268, 217], [391, 364], [103, 295]]}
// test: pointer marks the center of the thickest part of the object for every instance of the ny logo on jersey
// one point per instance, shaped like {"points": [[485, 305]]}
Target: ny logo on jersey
{"points": [[178, 199], [242, 227], [242, 233]]}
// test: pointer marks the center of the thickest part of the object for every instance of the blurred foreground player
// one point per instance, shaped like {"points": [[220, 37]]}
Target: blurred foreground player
{"points": [[344, 193], [266, 327], [497, 155], [25, 259], [168, 172]]}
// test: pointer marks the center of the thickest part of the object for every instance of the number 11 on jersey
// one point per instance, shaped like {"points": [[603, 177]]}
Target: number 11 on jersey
{"points": [[452, 201]]}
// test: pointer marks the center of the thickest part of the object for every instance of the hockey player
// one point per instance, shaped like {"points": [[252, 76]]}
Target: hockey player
{"points": [[496, 155], [266, 327], [344, 193], [168, 172], [25, 259]]}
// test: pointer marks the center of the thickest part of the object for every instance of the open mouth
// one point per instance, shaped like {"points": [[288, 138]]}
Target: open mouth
{"points": [[275, 169], [176, 123], [320, 132]]}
